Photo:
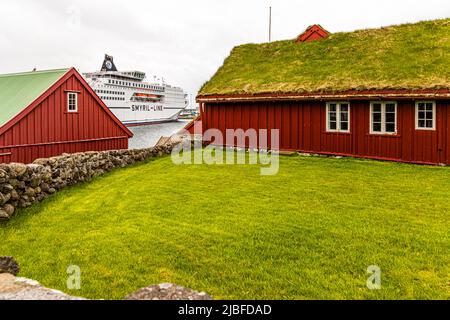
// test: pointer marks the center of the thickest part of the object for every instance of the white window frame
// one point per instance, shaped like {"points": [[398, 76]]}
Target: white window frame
{"points": [[417, 116], [69, 94], [383, 117], [338, 117]]}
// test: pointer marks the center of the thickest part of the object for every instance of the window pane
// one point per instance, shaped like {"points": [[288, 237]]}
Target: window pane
{"points": [[344, 116], [429, 115], [333, 125], [332, 107], [390, 127], [429, 123], [390, 117], [390, 107], [376, 107], [429, 107], [377, 117], [421, 123], [421, 106], [421, 115], [377, 127], [332, 116]]}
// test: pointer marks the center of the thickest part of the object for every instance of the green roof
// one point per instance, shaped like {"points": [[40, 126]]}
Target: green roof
{"points": [[409, 56], [19, 90]]}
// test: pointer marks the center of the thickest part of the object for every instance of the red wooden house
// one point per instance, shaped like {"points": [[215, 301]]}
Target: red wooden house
{"points": [[314, 32], [380, 93], [47, 113]]}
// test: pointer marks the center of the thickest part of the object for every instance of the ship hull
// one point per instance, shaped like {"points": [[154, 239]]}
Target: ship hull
{"points": [[145, 114]]}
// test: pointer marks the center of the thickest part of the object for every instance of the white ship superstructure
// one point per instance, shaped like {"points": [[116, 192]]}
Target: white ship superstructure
{"points": [[134, 101]]}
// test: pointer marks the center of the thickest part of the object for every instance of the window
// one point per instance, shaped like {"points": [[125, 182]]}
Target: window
{"points": [[338, 117], [383, 117], [72, 102], [425, 115]]}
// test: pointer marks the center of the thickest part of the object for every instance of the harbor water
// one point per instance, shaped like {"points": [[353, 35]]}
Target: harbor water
{"points": [[147, 136]]}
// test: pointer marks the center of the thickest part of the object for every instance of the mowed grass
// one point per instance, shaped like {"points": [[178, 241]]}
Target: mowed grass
{"points": [[309, 232]]}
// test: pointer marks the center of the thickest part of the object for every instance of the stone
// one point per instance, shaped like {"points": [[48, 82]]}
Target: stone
{"points": [[17, 184], [4, 216], [35, 182], [167, 291], [34, 167], [14, 195], [9, 209], [8, 187], [29, 191], [9, 265], [19, 169], [4, 198], [12, 288]]}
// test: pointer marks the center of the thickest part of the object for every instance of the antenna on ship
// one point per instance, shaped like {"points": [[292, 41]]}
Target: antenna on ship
{"points": [[270, 24]]}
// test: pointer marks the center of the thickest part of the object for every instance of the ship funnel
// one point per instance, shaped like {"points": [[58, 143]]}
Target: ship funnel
{"points": [[108, 64]]}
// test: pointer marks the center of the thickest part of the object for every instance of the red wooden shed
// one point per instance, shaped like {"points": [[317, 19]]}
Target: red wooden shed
{"points": [[47, 113], [380, 93], [312, 33]]}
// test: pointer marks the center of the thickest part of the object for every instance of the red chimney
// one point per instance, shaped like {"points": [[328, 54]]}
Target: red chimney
{"points": [[313, 33]]}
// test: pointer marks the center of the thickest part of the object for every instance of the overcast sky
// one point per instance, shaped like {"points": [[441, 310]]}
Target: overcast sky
{"points": [[183, 41]]}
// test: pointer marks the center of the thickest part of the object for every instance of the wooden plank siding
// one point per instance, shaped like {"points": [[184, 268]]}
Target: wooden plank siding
{"points": [[302, 126], [49, 130]]}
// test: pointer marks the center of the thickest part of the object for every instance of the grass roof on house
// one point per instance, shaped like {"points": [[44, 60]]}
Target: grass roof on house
{"points": [[408, 56], [19, 90]]}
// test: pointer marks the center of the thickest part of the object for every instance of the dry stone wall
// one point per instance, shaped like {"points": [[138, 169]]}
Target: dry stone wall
{"points": [[23, 185]]}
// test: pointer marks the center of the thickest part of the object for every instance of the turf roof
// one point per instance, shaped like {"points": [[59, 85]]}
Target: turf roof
{"points": [[19, 90], [408, 56]]}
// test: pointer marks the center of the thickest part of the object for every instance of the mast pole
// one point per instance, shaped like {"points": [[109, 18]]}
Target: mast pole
{"points": [[270, 24]]}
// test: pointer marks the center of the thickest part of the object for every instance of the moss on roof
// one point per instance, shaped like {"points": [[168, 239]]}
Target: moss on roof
{"points": [[19, 90], [408, 56]]}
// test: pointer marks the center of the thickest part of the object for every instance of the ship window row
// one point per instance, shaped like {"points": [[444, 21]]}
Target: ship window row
{"points": [[136, 85], [111, 92], [113, 98]]}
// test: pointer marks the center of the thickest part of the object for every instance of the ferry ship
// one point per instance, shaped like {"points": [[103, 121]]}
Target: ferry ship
{"points": [[134, 101]]}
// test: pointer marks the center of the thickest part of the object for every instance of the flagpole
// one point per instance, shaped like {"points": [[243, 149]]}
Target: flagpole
{"points": [[270, 24]]}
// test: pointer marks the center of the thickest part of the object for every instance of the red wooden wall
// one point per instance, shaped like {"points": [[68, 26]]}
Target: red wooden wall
{"points": [[49, 130], [302, 127]]}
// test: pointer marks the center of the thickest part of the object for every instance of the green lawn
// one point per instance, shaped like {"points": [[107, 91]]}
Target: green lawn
{"points": [[309, 232]]}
